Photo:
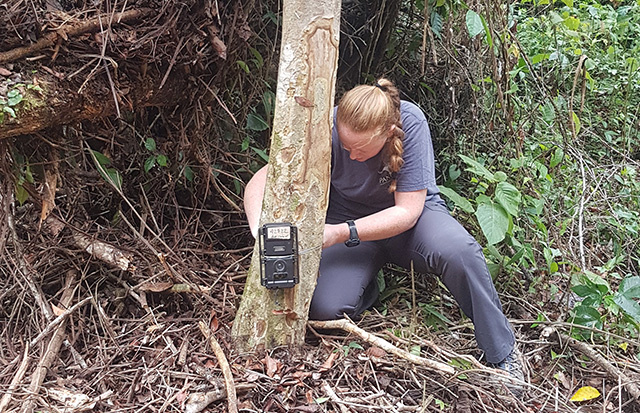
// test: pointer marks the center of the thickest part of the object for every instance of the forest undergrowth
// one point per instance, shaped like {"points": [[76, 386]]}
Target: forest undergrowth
{"points": [[123, 245]]}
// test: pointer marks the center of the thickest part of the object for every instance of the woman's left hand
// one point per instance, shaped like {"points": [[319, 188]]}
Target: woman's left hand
{"points": [[334, 234]]}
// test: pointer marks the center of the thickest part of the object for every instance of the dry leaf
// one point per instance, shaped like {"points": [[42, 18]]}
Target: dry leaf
{"points": [[4, 72], [585, 393], [272, 365], [48, 194], [328, 364], [57, 310], [563, 379], [213, 326], [376, 352]]}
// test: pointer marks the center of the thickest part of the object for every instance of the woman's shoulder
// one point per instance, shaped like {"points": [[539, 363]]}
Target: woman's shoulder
{"points": [[410, 112]]}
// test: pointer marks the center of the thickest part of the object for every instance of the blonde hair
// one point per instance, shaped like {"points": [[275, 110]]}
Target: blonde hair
{"points": [[376, 107]]}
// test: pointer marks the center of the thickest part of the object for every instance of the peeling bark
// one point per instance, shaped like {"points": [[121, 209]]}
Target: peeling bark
{"points": [[299, 170]]}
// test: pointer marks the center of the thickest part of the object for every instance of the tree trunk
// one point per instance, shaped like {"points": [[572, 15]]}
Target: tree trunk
{"points": [[299, 169]]}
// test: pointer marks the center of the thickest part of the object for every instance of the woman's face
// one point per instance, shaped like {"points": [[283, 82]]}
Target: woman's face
{"points": [[361, 145]]}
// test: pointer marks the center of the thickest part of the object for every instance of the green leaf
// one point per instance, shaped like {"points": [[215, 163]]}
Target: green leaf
{"points": [[243, 66], [162, 160], [415, 350], [102, 159], [255, 122], [556, 158], [569, 3], [477, 168], [630, 287], [493, 220], [500, 176], [10, 111], [258, 56], [460, 201], [474, 23], [21, 194], [321, 400], [149, 163], [629, 306], [509, 197], [245, 144], [188, 173], [576, 122], [150, 144], [13, 98], [437, 23], [114, 178], [587, 316], [261, 154], [548, 113]]}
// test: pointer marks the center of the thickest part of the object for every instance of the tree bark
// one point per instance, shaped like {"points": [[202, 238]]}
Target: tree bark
{"points": [[299, 169]]}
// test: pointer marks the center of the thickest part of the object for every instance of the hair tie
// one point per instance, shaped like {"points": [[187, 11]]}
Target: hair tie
{"points": [[379, 86]]}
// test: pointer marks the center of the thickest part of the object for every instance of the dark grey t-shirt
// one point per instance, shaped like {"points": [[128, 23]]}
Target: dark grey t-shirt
{"points": [[361, 188]]}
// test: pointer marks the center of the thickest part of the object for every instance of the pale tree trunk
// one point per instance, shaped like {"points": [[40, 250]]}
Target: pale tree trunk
{"points": [[297, 189]]}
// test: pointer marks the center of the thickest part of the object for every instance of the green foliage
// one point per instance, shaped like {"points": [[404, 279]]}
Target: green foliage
{"points": [[110, 175], [156, 157], [601, 307], [22, 175]]}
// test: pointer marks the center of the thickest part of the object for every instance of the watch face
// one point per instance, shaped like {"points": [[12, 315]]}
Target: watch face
{"points": [[353, 242]]}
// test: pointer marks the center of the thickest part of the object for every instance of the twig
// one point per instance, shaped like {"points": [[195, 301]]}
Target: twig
{"points": [[334, 397], [224, 366], [349, 326], [50, 39], [58, 320], [16, 379]]}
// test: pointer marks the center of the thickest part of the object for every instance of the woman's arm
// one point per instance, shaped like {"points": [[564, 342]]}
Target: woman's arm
{"points": [[383, 224], [253, 196]]}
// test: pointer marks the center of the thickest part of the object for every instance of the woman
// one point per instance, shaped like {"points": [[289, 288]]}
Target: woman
{"points": [[384, 207]]}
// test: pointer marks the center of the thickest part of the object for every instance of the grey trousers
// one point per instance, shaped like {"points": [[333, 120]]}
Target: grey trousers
{"points": [[438, 245]]}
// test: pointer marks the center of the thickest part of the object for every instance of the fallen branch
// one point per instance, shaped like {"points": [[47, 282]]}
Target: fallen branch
{"points": [[613, 371], [334, 397], [349, 326], [6, 399], [99, 249], [53, 348], [88, 26], [224, 366]]}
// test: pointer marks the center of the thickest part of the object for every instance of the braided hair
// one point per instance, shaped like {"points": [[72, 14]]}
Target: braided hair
{"points": [[376, 107]]}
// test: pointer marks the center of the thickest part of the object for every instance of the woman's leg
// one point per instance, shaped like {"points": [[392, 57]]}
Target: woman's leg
{"points": [[346, 284], [438, 244]]}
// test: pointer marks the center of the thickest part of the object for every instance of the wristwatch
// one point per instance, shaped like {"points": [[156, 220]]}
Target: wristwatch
{"points": [[353, 235]]}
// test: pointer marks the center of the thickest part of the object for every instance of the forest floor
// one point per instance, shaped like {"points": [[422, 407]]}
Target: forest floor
{"points": [[108, 293], [132, 340]]}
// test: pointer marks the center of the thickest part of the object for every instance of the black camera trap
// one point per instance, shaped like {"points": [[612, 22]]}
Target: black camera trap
{"points": [[278, 255]]}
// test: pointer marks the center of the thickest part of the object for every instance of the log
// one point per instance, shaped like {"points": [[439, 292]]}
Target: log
{"points": [[58, 102]]}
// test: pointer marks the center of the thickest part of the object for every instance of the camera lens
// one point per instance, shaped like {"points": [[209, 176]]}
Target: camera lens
{"points": [[280, 266]]}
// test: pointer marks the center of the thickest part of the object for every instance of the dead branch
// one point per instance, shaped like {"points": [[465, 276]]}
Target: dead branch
{"points": [[350, 327], [53, 348], [99, 249], [612, 370], [334, 397], [88, 26], [16, 379], [224, 366]]}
